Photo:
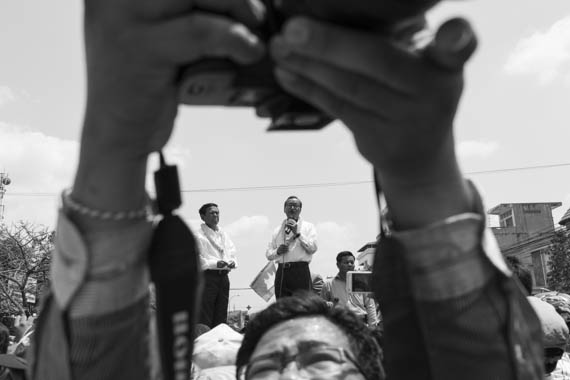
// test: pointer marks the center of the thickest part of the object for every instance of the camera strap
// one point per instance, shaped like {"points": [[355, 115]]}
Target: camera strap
{"points": [[175, 272]]}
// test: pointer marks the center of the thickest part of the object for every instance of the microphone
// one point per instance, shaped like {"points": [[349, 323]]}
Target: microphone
{"points": [[287, 225]]}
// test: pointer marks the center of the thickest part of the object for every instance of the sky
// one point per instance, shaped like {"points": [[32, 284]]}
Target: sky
{"points": [[513, 115]]}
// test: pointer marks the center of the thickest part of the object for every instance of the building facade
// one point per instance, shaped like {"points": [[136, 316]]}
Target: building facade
{"points": [[526, 230]]}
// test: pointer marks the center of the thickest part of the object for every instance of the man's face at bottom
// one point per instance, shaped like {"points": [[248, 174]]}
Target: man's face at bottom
{"points": [[304, 348]]}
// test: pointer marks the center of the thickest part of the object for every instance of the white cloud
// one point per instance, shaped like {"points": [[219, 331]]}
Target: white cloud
{"points": [[332, 238], [39, 167], [248, 226], [6, 95], [476, 149], [35, 161], [545, 54]]}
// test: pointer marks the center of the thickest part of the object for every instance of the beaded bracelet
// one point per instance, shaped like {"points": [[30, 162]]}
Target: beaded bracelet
{"points": [[71, 204]]}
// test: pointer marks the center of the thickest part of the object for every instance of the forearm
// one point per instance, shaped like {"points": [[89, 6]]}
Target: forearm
{"points": [[110, 346], [271, 252], [418, 199], [371, 313], [308, 242], [109, 176], [100, 278], [440, 293]]}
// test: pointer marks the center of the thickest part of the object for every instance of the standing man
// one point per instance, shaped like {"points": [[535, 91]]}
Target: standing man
{"points": [[292, 246], [335, 293], [217, 256]]}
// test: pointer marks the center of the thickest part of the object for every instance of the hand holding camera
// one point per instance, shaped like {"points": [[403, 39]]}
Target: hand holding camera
{"points": [[372, 85], [135, 52], [223, 82]]}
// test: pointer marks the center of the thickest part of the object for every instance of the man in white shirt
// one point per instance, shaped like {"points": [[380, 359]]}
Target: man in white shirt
{"points": [[335, 293], [292, 246], [217, 257]]}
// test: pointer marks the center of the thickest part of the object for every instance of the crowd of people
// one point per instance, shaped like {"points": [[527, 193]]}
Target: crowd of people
{"points": [[15, 340], [451, 307]]}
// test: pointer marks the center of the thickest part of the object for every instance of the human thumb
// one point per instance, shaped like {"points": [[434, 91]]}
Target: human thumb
{"points": [[453, 45]]}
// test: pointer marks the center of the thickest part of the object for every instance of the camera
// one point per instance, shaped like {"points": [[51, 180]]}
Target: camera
{"points": [[359, 282], [221, 82]]}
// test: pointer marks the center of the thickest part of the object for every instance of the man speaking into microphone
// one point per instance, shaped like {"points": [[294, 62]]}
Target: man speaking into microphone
{"points": [[292, 246]]}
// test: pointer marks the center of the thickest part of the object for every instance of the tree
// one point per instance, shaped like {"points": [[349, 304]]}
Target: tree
{"points": [[25, 257], [559, 264]]}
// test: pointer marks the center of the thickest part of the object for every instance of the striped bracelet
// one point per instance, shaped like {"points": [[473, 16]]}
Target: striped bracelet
{"points": [[69, 203]]}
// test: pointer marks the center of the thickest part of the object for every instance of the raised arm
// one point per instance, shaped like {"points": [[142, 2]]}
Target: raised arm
{"points": [[444, 291], [94, 325]]}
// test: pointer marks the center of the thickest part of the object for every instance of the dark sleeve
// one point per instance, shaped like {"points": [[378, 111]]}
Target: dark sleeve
{"points": [[450, 312], [111, 346]]}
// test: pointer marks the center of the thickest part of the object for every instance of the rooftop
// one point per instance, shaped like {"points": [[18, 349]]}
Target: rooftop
{"points": [[504, 207], [565, 219]]}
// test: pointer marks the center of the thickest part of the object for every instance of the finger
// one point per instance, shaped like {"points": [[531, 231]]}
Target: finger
{"points": [[356, 118], [363, 53], [249, 12], [366, 91], [198, 35], [453, 45]]}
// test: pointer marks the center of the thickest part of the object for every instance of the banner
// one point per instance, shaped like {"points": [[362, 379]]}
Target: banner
{"points": [[263, 283]]}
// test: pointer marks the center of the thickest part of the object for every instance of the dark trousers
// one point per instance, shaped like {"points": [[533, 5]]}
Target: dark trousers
{"points": [[291, 278], [214, 308]]}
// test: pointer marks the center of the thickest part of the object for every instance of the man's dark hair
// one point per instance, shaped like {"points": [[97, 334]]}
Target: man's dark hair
{"points": [[205, 208], [4, 338], [293, 197], [365, 348], [521, 272], [343, 254]]}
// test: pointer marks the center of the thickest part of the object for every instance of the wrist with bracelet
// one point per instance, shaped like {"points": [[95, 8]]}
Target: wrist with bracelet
{"points": [[100, 256], [70, 204]]}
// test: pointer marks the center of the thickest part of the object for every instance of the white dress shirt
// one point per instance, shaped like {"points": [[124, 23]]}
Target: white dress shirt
{"points": [[334, 291], [215, 246], [301, 248]]}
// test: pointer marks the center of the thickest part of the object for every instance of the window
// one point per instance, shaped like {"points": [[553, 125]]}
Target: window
{"points": [[531, 209], [507, 219]]}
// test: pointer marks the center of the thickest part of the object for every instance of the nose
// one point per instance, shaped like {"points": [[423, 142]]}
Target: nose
{"points": [[290, 372]]}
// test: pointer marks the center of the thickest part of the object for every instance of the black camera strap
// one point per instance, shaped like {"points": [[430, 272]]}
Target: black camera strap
{"points": [[175, 272]]}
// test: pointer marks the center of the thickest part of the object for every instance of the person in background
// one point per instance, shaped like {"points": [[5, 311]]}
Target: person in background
{"points": [[218, 258], [335, 292], [12, 367], [561, 303], [555, 334], [554, 328], [317, 282], [292, 246], [521, 273], [4, 338]]}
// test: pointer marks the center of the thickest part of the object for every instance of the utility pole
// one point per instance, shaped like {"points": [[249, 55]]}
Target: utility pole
{"points": [[4, 181]]}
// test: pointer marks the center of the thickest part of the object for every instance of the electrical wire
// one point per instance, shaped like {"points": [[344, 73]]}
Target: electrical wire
{"points": [[311, 185]]}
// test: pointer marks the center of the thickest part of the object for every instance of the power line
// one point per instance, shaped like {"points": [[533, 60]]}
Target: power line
{"points": [[548, 166], [313, 185]]}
